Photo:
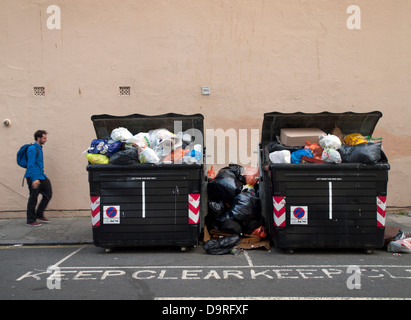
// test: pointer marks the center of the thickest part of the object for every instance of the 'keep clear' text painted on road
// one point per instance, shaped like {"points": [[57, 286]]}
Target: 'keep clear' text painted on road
{"points": [[266, 273]]}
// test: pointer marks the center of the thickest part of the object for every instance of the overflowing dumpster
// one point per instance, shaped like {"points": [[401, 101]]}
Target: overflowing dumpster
{"points": [[147, 203], [334, 200]]}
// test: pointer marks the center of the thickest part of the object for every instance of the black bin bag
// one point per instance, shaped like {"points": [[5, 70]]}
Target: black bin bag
{"points": [[226, 185], [222, 245], [367, 153]]}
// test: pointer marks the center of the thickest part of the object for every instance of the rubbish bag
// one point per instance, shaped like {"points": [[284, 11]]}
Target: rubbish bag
{"points": [[297, 155], [246, 207], [331, 155], [219, 219], [226, 185], [354, 139], [330, 141], [125, 157], [147, 155], [315, 148], [104, 146], [163, 141], [121, 134], [97, 158], [221, 246], [226, 223], [140, 140], [242, 217], [211, 173], [251, 175], [367, 153], [403, 246], [281, 156]]}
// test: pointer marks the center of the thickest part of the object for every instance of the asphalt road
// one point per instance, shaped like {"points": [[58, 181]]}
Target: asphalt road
{"points": [[88, 272]]}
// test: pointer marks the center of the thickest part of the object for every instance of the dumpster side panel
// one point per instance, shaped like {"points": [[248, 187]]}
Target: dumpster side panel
{"points": [[146, 207], [327, 208]]}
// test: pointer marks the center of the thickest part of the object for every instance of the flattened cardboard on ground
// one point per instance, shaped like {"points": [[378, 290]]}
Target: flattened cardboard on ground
{"points": [[295, 137]]}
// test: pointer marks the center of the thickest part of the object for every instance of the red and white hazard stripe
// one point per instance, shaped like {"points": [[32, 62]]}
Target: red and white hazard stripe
{"points": [[95, 211], [381, 207], [279, 211], [193, 208]]}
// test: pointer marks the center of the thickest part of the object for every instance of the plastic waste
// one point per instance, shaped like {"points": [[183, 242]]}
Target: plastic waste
{"points": [[297, 155], [251, 175], [195, 154], [260, 232], [221, 246], [121, 134], [147, 155], [125, 157], [330, 141], [227, 184], [175, 156], [211, 173], [367, 153], [140, 140], [354, 139], [97, 158], [104, 146], [402, 235], [246, 208], [402, 245], [331, 155], [283, 156], [315, 148]]}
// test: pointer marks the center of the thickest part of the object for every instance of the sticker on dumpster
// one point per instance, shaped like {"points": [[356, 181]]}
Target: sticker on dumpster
{"points": [[111, 214], [193, 208], [279, 211], [381, 208], [299, 215], [95, 211]]}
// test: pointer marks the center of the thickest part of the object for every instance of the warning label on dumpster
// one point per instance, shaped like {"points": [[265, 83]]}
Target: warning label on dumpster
{"points": [[111, 214], [299, 215]]}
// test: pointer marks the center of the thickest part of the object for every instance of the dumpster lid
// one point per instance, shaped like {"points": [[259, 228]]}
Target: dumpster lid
{"points": [[104, 124], [348, 122]]}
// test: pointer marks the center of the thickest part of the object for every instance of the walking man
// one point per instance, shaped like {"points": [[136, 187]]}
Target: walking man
{"points": [[37, 181]]}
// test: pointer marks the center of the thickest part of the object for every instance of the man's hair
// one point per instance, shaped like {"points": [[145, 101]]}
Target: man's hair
{"points": [[39, 134]]}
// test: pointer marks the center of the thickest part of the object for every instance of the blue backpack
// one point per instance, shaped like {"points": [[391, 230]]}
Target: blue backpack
{"points": [[22, 155]]}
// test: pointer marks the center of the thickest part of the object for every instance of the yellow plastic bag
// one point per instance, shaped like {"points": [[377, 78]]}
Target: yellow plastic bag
{"points": [[97, 158], [354, 139]]}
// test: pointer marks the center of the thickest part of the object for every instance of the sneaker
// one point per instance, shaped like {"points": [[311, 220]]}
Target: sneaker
{"points": [[43, 219], [33, 224]]}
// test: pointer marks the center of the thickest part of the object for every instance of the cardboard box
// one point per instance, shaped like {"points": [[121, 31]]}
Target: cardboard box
{"points": [[298, 136]]}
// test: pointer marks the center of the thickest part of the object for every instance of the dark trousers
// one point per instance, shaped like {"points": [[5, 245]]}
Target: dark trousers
{"points": [[45, 190]]}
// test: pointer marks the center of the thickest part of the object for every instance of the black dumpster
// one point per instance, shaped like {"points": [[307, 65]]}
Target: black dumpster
{"points": [[146, 204], [329, 205]]}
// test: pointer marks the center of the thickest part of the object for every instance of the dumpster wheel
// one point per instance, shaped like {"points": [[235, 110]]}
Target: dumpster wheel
{"points": [[183, 249]]}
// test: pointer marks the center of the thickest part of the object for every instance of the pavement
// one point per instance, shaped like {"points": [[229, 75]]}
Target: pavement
{"points": [[74, 227]]}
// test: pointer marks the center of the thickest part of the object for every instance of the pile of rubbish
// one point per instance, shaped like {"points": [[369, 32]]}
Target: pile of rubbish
{"points": [[234, 220], [159, 146], [401, 243], [304, 145]]}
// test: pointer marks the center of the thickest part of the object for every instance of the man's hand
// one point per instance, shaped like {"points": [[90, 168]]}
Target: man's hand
{"points": [[35, 184]]}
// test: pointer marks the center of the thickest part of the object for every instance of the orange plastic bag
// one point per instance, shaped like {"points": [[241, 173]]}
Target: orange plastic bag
{"points": [[251, 175], [175, 155], [316, 149], [211, 173]]}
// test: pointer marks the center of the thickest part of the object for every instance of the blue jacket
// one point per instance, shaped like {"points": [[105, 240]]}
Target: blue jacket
{"points": [[35, 164]]}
